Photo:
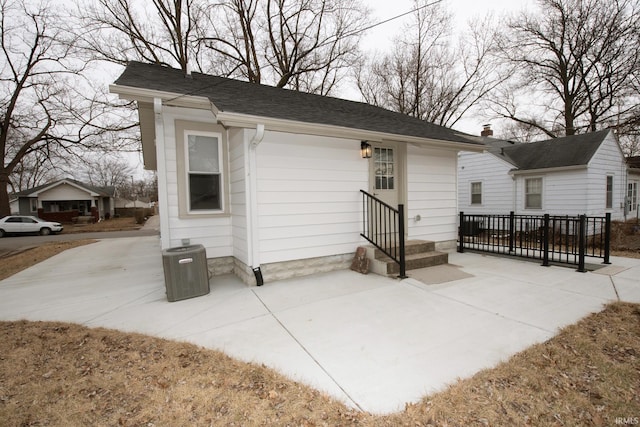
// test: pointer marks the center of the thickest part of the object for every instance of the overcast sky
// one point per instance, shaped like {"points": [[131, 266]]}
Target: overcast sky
{"points": [[379, 38]]}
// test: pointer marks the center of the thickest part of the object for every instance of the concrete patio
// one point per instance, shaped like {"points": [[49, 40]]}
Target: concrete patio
{"points": [[370, 341]]}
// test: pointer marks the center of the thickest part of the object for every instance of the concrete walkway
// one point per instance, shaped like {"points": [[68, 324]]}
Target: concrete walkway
{"points": [[373, 342]]}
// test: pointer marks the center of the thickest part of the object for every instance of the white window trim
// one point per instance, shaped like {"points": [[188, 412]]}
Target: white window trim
{"points": [[471, 193], [182, 129], [524, 193], [187, 172], [606, 190]]}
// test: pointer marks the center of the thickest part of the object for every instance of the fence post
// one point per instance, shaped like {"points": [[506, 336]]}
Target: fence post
{"points": [[607, 238], [545, 241], [461, 233], [403, 266], [582, 242], [512, 231]]}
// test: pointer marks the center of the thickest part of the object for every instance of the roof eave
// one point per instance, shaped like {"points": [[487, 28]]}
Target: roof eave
{"points": [[547, 170], [168, 98], [230, 119]]}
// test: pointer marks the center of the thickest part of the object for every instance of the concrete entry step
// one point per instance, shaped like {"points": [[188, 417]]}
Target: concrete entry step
{"points": [[418, 254]]}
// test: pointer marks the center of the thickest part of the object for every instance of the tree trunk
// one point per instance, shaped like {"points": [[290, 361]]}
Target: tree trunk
{"points": [[4, 195]]}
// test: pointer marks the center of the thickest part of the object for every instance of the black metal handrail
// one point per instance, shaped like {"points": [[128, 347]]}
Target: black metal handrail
{"points": [[383, 226], [558, 238]]}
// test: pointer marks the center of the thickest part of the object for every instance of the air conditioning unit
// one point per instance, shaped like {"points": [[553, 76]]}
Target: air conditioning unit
{"points": [[185, 272]]}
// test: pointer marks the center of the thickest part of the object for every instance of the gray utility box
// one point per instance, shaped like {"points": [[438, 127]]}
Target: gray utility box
{"points": [[185, 272]]}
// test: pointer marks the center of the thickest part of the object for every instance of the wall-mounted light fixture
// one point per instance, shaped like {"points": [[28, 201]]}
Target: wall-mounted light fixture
{"points": [[365, 150]]}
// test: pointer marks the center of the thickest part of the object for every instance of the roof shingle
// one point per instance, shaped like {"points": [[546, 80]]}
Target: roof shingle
{"points": [[236, 96]]}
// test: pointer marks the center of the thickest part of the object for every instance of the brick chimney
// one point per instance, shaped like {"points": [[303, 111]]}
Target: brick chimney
{"points": [[486, 130]]}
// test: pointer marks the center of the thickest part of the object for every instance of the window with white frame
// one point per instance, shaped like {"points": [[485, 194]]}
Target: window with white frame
{"points": [[204, 171], [609, 202], [34, 205], [533, 193], [632, 196], [476, 193]]}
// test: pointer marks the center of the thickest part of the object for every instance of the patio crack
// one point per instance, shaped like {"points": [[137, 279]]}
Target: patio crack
{"points": [[316, 361]]}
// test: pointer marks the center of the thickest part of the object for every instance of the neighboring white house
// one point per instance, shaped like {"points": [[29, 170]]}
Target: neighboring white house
{"points": [[66, 199], [580, 174], [633, 184], [269, 178]]}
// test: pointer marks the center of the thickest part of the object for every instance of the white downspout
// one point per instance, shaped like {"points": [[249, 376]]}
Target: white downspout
{"points": [[163, 203], [253, 235]]}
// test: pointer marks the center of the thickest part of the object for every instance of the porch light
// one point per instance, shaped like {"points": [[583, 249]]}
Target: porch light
{"points": [[365, 150]]}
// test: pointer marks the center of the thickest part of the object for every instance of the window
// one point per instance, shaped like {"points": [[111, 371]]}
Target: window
{"points": [[533, 193], [476, 193], [632, 196], [201, 162], [383, 158], [609, 192], [203, 172], [34, 205]]}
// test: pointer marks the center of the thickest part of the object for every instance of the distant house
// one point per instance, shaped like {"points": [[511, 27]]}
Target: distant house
{"points": [[66, 199], [580, 174], [632, 186], [269, 180], [14, 205]]}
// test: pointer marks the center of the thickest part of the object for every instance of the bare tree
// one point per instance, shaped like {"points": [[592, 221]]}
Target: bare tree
{"points": [[108, 171], [578, 57], [301, 44], [157, 31], [429, 77], [36, 169], [44, 107]]}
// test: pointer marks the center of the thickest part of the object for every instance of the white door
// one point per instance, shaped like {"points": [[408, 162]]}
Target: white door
{"points": [[383, 173]]}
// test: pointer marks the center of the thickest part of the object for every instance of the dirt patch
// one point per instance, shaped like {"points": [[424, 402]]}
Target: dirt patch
{"points": [[65, 374], [625, 236], [112, 224], [12, 263]]}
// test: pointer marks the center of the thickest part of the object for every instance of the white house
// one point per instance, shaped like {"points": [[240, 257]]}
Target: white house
{"points": [[580, 174], [633, 183], [65, 199], [269, 180]]}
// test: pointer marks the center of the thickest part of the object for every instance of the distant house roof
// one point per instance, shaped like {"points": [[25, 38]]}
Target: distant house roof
{"points": [[234, 96], [575, 150], [108, 191], [634, 162]]}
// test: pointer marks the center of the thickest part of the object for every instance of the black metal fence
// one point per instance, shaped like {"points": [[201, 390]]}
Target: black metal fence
{"points": [[558, 239], [383, 226]]}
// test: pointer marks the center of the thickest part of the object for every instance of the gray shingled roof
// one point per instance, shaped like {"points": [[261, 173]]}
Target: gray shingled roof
{"points": [[575, 150], [109, 191], [236, 96]]}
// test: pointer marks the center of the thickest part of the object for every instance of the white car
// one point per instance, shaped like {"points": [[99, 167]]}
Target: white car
{"points": [[27, 224]]}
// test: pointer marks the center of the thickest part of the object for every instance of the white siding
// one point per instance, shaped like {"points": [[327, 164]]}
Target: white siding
{"points": [[238, 196], [213, 232], [64, 192], [309, 204], [497, 184], [608, 160], [563, 193], [431, 194]]}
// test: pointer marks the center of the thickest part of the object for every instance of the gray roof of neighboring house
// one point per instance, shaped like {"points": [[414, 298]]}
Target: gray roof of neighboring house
{"points": [[236, 96], [575, 150], [108, 191]]}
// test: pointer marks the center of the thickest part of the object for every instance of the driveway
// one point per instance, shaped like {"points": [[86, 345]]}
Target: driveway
{"points": [[373, 342]]}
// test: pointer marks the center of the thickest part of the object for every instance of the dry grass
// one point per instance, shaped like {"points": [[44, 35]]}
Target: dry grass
{"points": [[65, 374], [112, 224], [12, 264]]}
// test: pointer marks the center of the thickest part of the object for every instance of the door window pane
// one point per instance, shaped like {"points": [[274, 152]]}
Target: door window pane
{"points": [[384, 168]]}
